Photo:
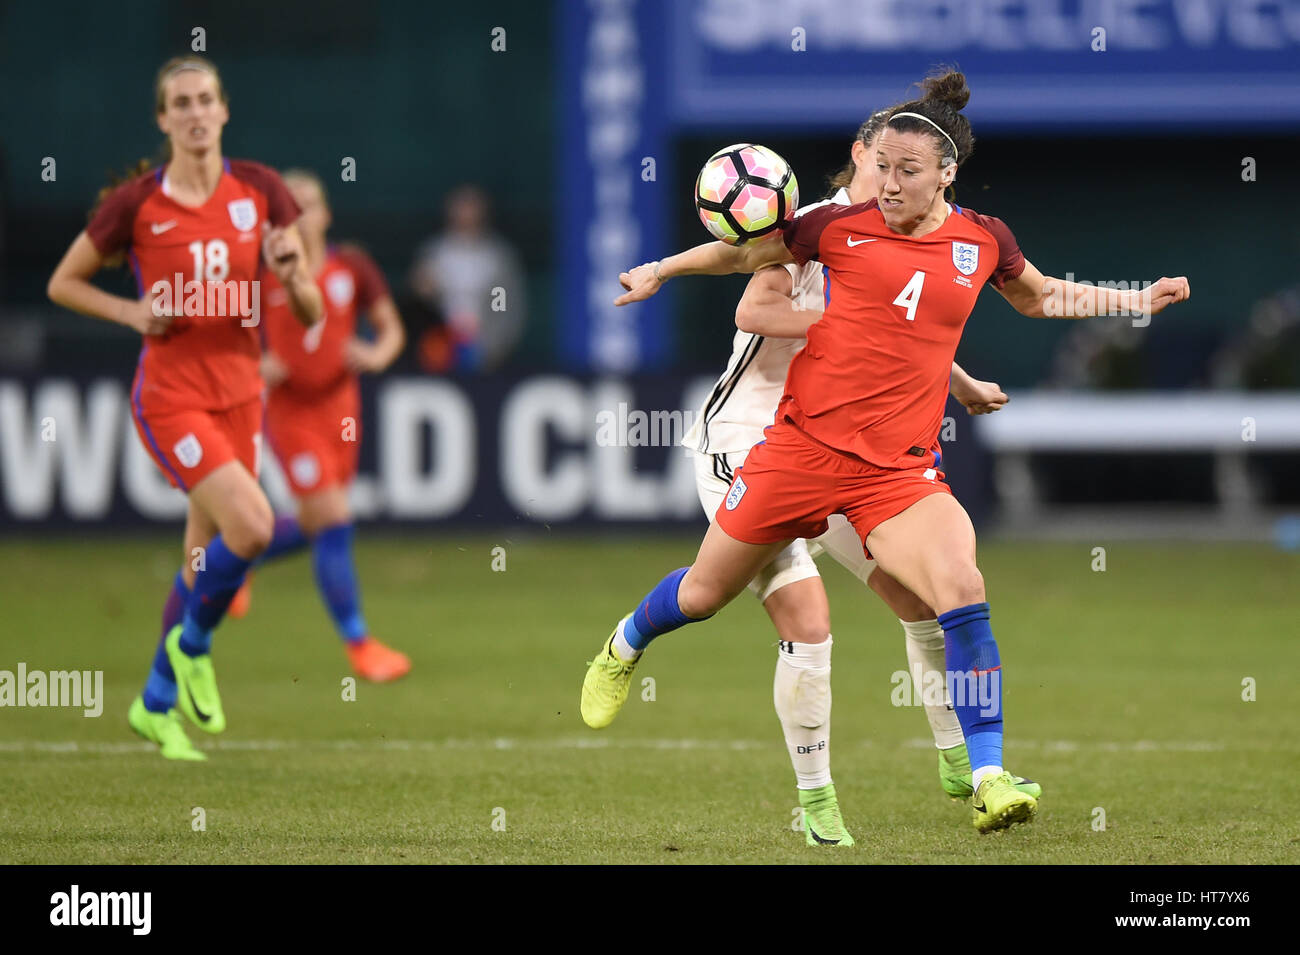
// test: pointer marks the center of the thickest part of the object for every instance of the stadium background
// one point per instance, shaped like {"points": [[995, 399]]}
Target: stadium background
{"points": [[1118, 165], [1124, 188]]}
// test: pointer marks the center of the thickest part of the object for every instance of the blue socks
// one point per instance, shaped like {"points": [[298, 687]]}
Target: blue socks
{"points": [[658, 613], [160, 689], [214, 587], [975, 681], [336, 575], [198, 611], [336, 578], [287, 539]]}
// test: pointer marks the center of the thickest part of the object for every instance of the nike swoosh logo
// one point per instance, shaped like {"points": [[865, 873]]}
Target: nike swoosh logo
{"points": [[825, 842], [160, 227], [203, 717], [853, 244]]}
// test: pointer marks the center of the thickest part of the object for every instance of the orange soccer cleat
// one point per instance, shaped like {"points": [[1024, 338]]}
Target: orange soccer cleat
{"points": [[242, 600], [373, 661]]}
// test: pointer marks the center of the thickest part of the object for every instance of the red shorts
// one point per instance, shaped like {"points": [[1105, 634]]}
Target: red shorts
{"points": [[791, 483], [187, 446], [317, 441]]}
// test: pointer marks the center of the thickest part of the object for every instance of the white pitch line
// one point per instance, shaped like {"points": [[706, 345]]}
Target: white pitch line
{"points": [[592, 742]]}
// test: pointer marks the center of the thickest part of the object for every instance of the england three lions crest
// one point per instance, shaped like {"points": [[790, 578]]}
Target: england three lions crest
{"points": [[966, 256], [340, 288], [243, 215], [737, 491]]}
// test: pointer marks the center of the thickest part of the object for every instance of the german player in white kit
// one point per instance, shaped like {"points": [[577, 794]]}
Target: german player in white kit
{"points": [[778, 306]]}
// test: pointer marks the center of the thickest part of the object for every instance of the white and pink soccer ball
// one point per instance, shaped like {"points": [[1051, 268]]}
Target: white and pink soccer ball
{"points": [[745, 191]]}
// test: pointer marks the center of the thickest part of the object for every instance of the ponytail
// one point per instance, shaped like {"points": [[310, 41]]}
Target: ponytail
{"points": [[131, 173], [841, 179]]}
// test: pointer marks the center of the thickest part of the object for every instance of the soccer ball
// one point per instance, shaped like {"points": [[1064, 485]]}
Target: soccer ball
{"points": [[745, 191]]}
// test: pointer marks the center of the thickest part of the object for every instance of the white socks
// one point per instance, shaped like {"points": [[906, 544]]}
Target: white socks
{"points": [[622, 647], [978, 775], [925, 657], [801, 692]]}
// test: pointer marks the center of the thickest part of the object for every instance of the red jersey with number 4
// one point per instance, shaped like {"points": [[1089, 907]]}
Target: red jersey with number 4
{"points": [[873, 378], [209, 258], [350, 284]]}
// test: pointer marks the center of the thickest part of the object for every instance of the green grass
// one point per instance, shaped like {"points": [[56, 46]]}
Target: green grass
{"points": [[1124, 693]]}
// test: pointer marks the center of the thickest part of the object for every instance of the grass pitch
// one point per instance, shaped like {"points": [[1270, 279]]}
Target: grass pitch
{"points": [[1124, 696]]}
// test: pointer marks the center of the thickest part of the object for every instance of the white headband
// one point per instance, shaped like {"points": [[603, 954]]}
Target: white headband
{"points": [[935, 125]]}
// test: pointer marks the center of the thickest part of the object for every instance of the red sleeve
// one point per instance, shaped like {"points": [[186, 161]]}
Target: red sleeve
{"points": [[803, 234], [113, 223], [371, 285], [281, 208], [1011, 261]]}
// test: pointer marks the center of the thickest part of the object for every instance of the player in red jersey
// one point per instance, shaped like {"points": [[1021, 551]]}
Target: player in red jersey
{"points": [[857, 429], [313, 414], [773, 317], [196, 230]]}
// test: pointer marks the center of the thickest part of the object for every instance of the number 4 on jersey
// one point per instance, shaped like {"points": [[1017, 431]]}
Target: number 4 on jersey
{"points": [[910, 297]]}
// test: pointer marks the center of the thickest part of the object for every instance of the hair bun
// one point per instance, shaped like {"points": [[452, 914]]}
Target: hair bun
{"points": [[948, 87]]}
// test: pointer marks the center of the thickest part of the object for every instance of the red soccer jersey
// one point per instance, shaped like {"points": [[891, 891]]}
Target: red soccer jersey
{"points": [[208, 360], [350, 284], [873, 378]]}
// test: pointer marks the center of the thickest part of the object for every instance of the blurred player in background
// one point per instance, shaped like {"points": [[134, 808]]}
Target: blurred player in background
{"points": [[196, 399], [313, 415], [773, 316]]}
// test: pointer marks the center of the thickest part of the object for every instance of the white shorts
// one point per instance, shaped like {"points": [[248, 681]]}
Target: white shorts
{"points": [[713, 474]]}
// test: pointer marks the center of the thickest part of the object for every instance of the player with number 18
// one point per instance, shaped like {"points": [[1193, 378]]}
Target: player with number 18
{"points": [[196, 230]]}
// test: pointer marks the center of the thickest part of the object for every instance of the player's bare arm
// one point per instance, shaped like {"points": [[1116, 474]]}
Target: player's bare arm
{"points": [[390, 339], [769, 307], [70, 286], [283, 250], [976, 396], [711, 258], [1039, 296]]}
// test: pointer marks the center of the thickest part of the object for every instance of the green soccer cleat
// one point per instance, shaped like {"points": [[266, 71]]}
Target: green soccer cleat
{"points": [[604, 690], [998, 804], [164, 729], [196, 684], [955, 775], [822, 823]]}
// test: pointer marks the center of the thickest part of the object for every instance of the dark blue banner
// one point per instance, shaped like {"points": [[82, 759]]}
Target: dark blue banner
{"points": [[1104, 63], [613, 159]]}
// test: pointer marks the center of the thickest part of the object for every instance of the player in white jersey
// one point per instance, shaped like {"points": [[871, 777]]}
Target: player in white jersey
{"points": [[778, 306]]}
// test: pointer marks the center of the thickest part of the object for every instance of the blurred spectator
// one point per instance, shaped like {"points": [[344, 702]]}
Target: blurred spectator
{"points": [[1266, 353], [473, 278], [1102, 353]]}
